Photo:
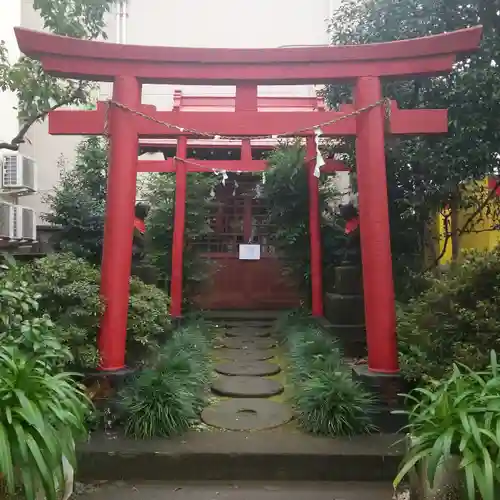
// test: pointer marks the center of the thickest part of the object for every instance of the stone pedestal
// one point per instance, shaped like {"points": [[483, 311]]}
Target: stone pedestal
{"points": [[344, 309], [387, 389]]}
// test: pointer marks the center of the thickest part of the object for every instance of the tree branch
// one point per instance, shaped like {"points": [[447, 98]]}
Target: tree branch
{"points": [[14, 144], [481, 207], [469, 220]]}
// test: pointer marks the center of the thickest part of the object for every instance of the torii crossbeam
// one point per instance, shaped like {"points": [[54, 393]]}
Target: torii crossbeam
{"points": [[128, 67]]}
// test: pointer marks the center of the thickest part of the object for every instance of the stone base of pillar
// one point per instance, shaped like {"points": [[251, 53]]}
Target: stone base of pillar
{"points": [[115, 378], [387, 389]]}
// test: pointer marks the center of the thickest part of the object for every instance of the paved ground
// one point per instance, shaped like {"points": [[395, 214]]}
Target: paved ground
{"points": [[240, 491]]}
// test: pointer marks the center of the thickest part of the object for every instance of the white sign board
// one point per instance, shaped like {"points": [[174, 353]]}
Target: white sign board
{"points": [[249, 252]]}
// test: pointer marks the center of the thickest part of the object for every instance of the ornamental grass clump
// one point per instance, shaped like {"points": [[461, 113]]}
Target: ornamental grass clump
{"points": [[166, 399], [457, 421], [327, 400]]}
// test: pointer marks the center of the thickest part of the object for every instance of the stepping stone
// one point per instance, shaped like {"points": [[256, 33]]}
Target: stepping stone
{"points": [[244, 343], [250, 368], [245, 354], [246, 415], [246, 387], [247, 333]]}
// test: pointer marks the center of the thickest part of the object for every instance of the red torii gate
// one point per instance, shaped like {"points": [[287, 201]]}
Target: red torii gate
{"points": [[130, 66], [187, 103]]}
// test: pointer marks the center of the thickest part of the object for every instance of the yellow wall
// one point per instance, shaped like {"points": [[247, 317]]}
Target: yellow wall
{"points": [[484, 241]]}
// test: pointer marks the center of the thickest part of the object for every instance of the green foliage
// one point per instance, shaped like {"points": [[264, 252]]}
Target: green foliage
{"points": [[425, 172], [78, 201], [458, 416], [22, 326], [286, 188], [77, 18], [41, 416], [38, 92], [456, 319], [291, 322], [68, 290], [166, 399], [160, 189], [327, 400], [43, 409]]}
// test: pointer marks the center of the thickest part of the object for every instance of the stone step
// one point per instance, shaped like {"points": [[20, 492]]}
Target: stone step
{"points": [[254, 490], [280, 454], [242, 315]]}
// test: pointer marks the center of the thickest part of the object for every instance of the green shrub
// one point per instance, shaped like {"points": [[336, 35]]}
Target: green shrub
{"points": [[289, 322], [286, 190], [330, 403], [43, 410], [21, 324], [327, 400], [166, 399], [69, 293], [77, 203], [41, 416], [458, 417], [310, 351], [160, 193], [456, 319]]}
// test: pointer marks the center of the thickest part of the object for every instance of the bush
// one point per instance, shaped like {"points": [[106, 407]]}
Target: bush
{"points": [[327, 400], [160, 193], [286, 189], [21, 325], [43, 410], [69, 293], [456, 319], [166, 399], [290, 322], [41, 416], [78, 202], [457, 417]]}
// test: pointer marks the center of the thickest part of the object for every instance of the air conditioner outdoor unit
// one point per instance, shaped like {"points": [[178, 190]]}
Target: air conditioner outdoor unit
{"points": [[17, 222], [18, 172]]}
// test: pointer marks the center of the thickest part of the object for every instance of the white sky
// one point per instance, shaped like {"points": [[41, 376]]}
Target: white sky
{"points": [[231, 23]]}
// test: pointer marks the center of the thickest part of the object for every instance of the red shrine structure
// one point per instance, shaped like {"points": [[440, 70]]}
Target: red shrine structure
{"points": [[237, 214], [368, 119]]}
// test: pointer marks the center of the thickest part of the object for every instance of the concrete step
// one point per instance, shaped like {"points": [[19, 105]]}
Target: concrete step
{"points": [[237, 491], [280, 454], [250, 315]]}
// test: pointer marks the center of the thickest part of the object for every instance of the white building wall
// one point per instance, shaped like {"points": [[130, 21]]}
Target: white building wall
{"points": [[9, 124], [189, 23]]}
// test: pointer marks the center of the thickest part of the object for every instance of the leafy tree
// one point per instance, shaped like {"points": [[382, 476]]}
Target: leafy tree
{"points": [[426, 173], [286, 189], [39, 93], [78, 202], [160, 192]]}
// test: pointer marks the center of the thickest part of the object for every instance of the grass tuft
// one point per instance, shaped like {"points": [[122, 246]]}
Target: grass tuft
{"points": [[167, 398], [327, 400]]}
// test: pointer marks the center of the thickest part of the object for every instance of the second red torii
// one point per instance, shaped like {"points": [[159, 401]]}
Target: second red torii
{"points": [[247, 123]]}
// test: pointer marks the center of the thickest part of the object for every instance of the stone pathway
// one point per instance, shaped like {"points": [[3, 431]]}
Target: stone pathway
{"points": [[247, 357]]}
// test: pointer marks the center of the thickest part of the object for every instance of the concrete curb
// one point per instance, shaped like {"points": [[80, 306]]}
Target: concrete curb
{"points": [[230, 456]]}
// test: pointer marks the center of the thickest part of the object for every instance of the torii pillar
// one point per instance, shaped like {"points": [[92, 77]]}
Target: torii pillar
{"points": [[119, 224], [378, 284]]}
